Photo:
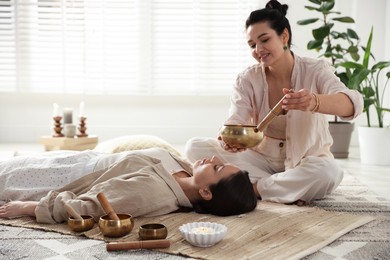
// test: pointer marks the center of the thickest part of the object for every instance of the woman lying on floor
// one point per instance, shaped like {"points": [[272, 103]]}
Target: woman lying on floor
{"points": [[147, 182]]}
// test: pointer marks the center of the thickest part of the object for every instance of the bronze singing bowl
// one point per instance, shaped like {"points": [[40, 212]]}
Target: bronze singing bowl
{"points": [[152, 231], [81, 225], [241, 136], [116, 228], [247, 136]]}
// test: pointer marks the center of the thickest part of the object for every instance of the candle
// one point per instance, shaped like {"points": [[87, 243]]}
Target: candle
{"points": [[69, 130], [81, 109], [55, 110], [68, 116]]}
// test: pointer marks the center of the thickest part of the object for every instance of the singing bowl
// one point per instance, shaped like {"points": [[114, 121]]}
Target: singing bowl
{"points": [[116, 228], [241, 136], [152, 231], [81, 225]]}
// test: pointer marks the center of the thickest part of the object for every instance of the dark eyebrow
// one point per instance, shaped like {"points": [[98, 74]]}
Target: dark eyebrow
{"points": [[258, 37]]}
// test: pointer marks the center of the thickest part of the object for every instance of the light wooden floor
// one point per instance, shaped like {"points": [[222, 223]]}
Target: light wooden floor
{"points": [[377, 178]]}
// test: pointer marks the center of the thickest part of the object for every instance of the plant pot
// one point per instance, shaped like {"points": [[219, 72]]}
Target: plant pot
{"points": [[341, 133], [374, 145]]}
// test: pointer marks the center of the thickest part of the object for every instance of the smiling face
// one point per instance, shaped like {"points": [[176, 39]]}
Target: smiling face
{"points": [[210, 171], [265, 43]]}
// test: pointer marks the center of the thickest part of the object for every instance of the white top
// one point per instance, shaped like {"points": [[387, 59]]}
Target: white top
{"points": [[277, 128], [310, 131]]}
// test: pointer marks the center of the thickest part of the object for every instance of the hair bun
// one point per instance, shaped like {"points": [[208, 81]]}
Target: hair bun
{"points": [[274, 4]]}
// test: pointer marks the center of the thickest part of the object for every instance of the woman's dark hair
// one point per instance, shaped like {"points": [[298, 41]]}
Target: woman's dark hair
{"points": [[275, 14], [230, 196]]}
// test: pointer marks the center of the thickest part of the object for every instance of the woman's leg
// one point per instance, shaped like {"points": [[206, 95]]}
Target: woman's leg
{"points": [[29, 178], [18, 208], [314, 178]]}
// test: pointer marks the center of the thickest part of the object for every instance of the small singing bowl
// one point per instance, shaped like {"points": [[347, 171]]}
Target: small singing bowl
{"points": [[116, 228], [81, 225], [241, 136], [152, 231]]}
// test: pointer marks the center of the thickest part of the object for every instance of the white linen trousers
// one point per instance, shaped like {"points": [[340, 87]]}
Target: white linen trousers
{"points": [[313, 178]]}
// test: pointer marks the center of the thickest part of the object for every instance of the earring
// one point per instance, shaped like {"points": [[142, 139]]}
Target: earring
{"points": [[285, 47]]}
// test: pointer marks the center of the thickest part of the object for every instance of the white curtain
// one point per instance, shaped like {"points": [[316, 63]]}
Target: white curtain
{"points": [[152, 47]]}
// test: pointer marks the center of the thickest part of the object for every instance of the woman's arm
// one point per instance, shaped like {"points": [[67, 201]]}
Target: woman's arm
{"points": [[332, 104], [337, 104]]}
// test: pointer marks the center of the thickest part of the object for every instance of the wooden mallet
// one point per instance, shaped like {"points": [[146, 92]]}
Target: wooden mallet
{"points": [[107, 206]]}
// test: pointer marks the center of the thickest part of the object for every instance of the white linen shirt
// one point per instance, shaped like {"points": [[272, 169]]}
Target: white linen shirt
{"points": [[309, 131]]}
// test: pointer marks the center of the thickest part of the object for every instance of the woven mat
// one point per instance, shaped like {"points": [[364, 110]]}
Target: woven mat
{"points": [[272, 231]]}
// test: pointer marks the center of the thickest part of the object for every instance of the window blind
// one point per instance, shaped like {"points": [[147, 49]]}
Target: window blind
{"points": [[152, 47]]}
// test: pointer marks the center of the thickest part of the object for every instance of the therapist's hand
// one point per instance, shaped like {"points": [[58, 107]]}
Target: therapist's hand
{"points": [[300, 100], [229, 148]]}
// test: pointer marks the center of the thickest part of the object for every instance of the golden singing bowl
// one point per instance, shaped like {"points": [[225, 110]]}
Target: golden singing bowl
{"points": [[152, 231], [116, 228], [241, 136], [81, 225]]}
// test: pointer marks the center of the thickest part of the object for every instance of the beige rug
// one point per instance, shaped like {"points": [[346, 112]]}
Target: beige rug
{"points": [[272, 231]]}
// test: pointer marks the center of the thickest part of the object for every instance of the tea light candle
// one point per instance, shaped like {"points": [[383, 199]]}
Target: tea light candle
{"points": [[68, 116]]}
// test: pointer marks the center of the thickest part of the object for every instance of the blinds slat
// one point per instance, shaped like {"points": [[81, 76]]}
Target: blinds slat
{"points": [[122, 46]]}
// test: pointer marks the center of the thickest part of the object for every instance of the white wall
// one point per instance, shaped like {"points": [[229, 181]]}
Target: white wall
{"points": [[24, 118]]}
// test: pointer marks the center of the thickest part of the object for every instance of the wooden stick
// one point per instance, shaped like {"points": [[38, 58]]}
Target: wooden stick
{"points": [[143, 244], [275, 111], [72, 212], [107, 206]]}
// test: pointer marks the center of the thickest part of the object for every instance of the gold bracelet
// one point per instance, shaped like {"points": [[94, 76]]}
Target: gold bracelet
{"points": [[317, 105]]}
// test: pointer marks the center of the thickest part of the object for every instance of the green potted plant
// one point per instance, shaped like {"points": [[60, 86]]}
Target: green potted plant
{"points": [[371, 82], [338, 47]]}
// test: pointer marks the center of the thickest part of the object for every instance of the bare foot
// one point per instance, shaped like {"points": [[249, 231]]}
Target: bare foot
{"points": [[18, 208], [299, 203]]}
